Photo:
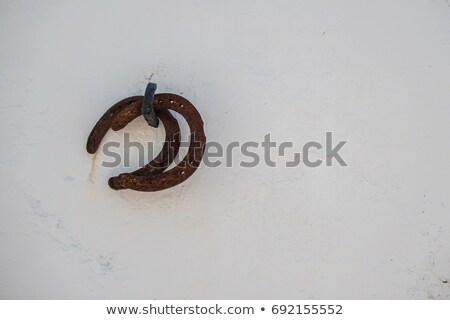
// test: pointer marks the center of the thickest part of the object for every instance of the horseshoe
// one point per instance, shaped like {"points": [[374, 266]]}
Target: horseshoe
{"points": [[152, 176], [119, 115], [186, 167]]}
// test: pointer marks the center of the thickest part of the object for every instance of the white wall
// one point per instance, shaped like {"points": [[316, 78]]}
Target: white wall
{"points": [[375, 73]]}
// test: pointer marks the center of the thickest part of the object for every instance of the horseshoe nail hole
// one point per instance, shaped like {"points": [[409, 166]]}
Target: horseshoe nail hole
{"points": [[171, 101], [182, 172], [181, 105], [159, 100], [131, 101]]}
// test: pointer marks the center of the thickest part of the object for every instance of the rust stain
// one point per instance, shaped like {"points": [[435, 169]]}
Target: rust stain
{"points": [[93, 172]]}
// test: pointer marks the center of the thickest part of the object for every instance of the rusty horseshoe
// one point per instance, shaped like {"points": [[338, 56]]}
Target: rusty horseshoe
{"points": [[153, 176]]}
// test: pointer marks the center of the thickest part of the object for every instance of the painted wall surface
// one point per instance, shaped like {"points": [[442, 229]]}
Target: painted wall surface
{"points": [[375, 73]]}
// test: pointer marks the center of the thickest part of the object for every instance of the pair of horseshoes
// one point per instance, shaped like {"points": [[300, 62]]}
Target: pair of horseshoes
{"points": [[153, 176]]}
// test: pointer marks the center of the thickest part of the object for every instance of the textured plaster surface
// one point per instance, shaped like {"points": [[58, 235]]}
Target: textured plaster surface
{"points": [[375, 73]]}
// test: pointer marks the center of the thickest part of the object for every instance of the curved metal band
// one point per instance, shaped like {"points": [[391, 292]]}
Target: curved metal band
{"points": [[104, 123], [186, 167], [122, 113], [152, 176]]}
